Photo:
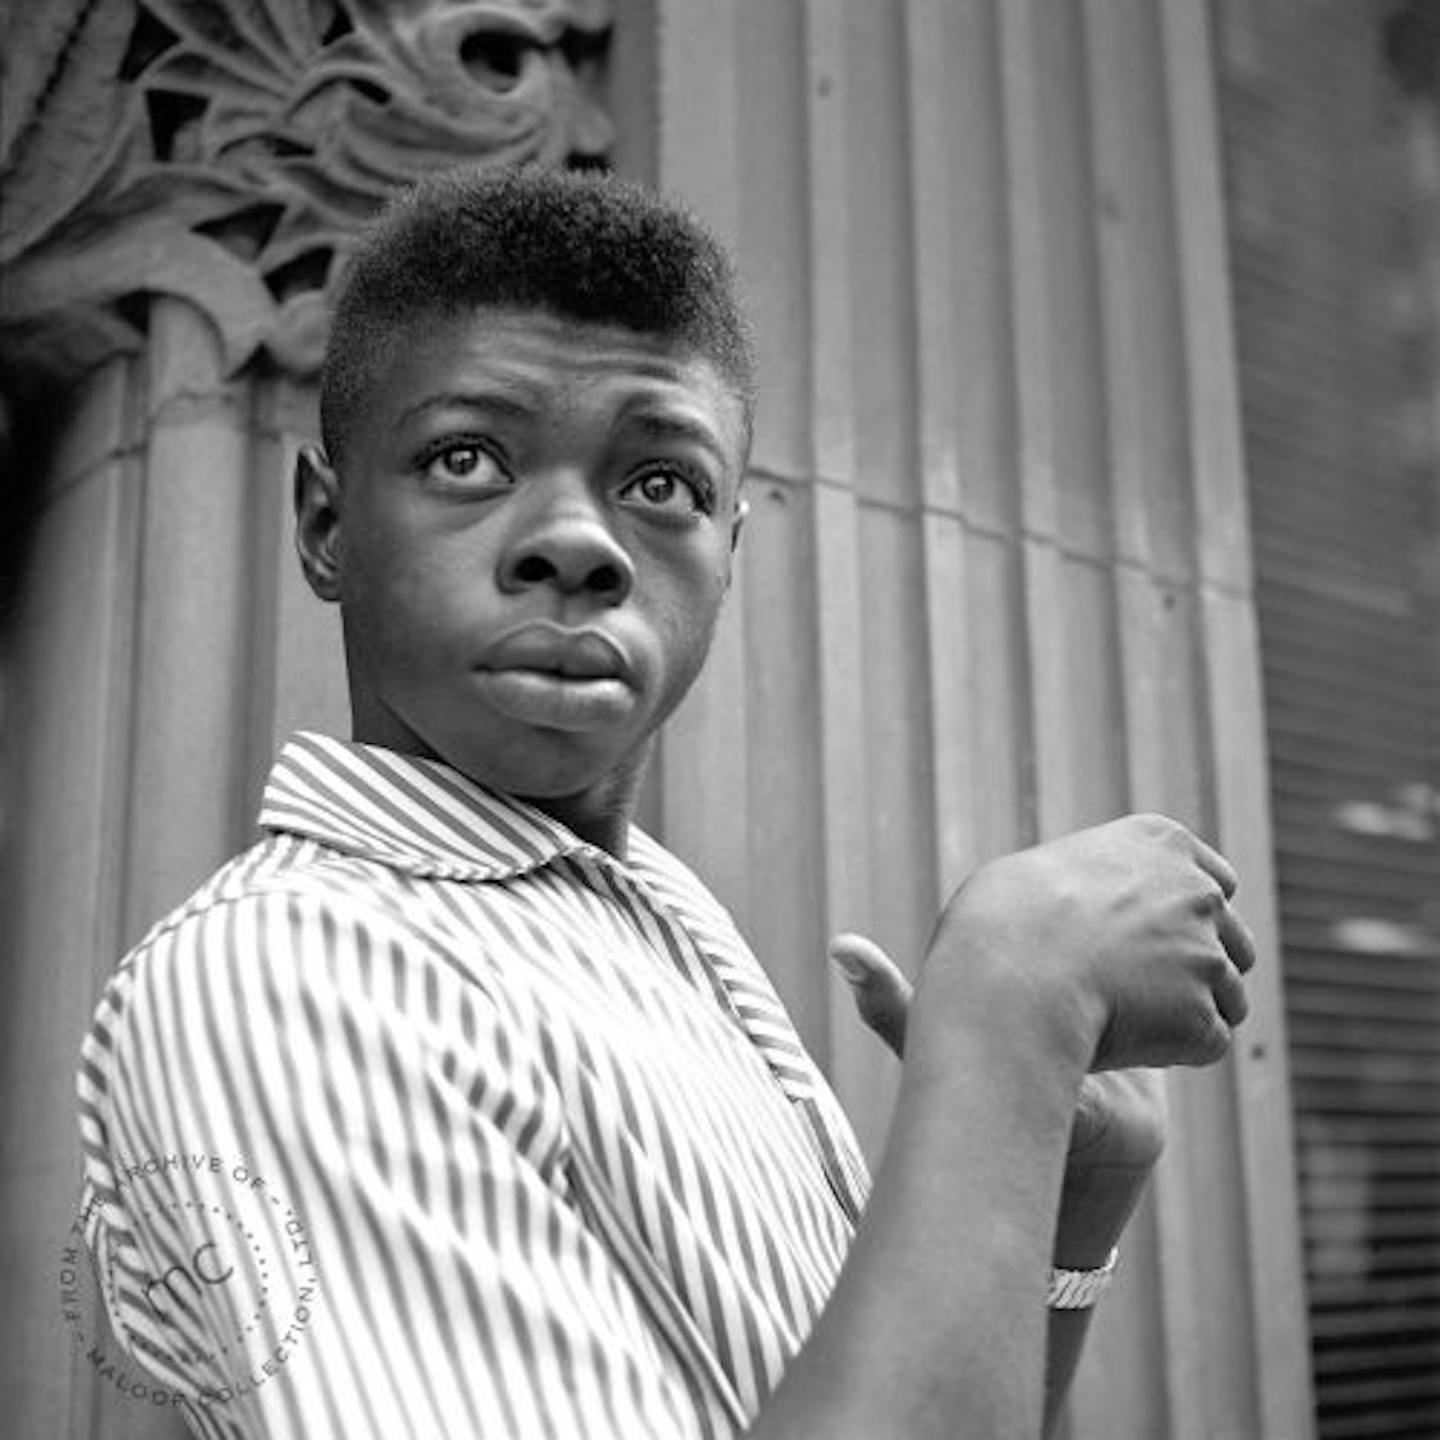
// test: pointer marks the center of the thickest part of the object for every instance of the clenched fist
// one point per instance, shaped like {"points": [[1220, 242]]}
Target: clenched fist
{"points": [[1120, 942]]}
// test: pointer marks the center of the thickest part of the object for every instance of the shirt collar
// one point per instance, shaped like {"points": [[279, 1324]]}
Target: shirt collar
{"points": [[415, 815]]}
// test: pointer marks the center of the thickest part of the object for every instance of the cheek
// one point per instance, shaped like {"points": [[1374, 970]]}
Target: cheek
{"points": [[397, 607], [690, 615]]}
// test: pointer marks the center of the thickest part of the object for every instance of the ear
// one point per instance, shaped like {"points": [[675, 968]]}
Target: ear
{"points": [[317, 521]]}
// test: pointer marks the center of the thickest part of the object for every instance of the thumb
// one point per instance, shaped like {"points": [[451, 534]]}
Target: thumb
{"points": [[882, 993]]}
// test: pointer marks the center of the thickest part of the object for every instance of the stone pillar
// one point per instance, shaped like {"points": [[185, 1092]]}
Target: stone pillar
{"points": [[178, 189]]}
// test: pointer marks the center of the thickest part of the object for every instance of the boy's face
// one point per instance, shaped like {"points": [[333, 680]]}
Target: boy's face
{"points": [[530, 535]]}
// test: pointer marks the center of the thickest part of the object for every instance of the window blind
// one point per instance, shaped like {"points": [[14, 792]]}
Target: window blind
{"points": [[1333, 173]]}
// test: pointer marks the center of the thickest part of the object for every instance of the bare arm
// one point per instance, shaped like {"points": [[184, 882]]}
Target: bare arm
{"points": [[937, 1326], [1109, 949], [1116, 1140], [1116, 1137]]}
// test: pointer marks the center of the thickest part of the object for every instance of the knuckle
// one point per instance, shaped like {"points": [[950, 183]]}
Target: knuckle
{"points": [[1211, 1042], [1212, 966], [1161, 827], [1210, 901]]}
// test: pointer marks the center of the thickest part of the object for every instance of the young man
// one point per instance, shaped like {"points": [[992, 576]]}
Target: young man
{"points": [[560, 1163]]}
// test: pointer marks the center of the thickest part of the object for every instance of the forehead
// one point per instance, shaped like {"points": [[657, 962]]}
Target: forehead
{"points": [[533, 363]]}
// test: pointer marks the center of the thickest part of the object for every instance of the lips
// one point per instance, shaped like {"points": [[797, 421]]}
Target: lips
{"points": [[553, 678], [584, 654]]}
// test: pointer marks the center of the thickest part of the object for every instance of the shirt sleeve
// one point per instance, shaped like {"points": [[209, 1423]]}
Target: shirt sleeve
{"points": [[331, 1194]]}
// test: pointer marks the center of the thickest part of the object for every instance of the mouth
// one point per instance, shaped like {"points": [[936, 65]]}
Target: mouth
{"points": [[546, 675], [549, 649]]}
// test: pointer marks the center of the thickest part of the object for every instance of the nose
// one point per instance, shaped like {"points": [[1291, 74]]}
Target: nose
{"points": [[563, 541]]}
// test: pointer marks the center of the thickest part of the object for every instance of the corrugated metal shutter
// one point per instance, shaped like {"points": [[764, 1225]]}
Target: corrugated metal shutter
{"points": [[1335, 221]]}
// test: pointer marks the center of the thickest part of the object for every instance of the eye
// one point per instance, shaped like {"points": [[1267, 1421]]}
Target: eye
{"points": [[669, 491], [464, 463]]}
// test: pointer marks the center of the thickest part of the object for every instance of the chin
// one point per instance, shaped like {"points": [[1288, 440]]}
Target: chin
{"points": [[541, 777]]}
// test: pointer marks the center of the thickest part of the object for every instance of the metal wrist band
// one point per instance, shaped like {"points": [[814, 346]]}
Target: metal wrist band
{"points": [[1079, 1289]]}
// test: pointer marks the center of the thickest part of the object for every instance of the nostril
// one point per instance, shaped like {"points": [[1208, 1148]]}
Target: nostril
{"points": [[534, 570], [493, 59], [606, 579]]}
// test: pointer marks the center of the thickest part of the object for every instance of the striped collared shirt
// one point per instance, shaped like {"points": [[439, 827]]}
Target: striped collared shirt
{"points": [[425, 1118]]}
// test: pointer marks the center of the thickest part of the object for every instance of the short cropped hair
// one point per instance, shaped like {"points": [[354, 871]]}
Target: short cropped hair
{"points": [[583, 245]]}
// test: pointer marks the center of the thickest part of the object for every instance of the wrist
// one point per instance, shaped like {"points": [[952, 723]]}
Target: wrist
{"points": [[980, 999], [1096, 1202], [1000, 1057], [1022, 965], [1080, 1289]]}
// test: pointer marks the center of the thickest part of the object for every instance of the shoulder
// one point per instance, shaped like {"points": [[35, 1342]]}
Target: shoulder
{"points": [[288, 927], [277, 982]]}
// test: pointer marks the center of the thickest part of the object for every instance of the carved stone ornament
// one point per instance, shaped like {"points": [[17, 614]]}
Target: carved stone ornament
{"points": [[226, 151]]}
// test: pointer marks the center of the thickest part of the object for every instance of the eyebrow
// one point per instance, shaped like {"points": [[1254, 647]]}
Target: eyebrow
{"points": [[664, 425], [511, 404]]}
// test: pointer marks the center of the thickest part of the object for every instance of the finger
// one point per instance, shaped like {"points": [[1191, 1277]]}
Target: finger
{"points": [[1213, 1040], [1230, 998], [1216, 866], [1237, 939], [882, 993]]}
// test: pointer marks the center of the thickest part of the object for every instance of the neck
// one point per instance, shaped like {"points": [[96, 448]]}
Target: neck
{"points": [[601, 815]]}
